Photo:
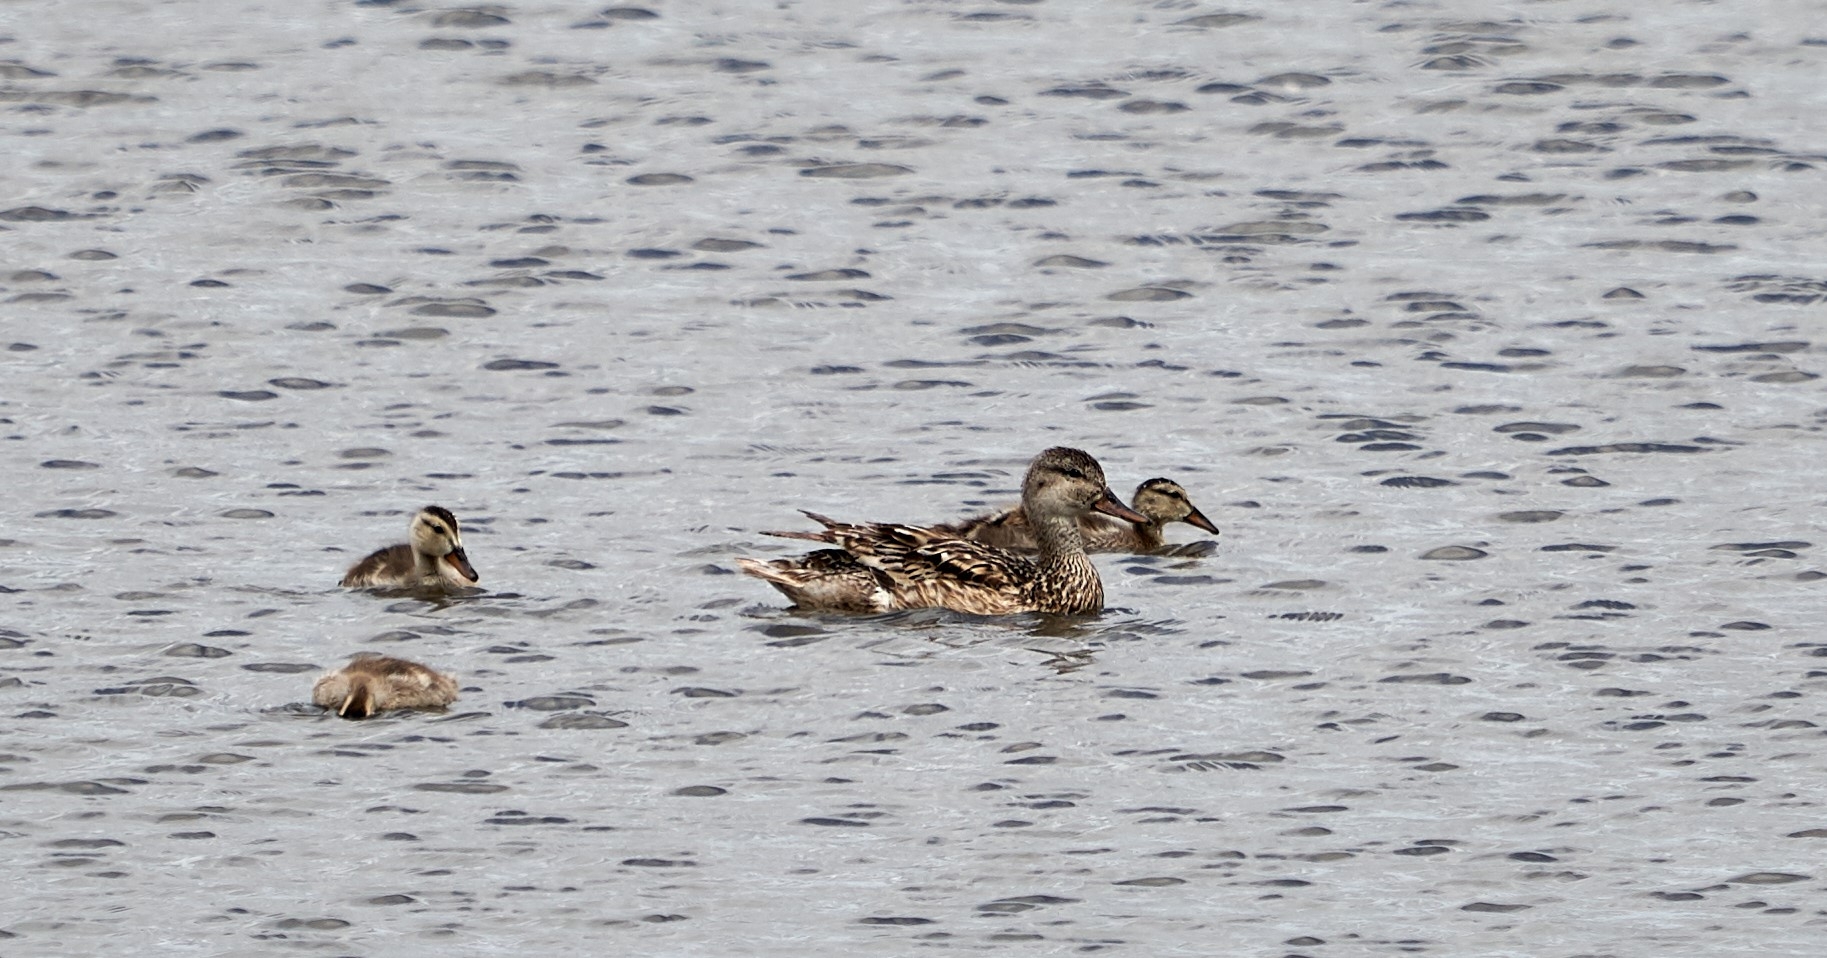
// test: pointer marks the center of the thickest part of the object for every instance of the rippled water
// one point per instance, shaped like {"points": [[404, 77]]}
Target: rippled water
{"points": [[1491, 345]]}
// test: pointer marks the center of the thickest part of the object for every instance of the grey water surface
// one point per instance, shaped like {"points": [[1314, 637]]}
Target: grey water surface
{"points": [[1490, 334]]}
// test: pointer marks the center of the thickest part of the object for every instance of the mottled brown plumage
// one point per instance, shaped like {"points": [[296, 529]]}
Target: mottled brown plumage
{"points": [[1161, 500], [433, 558], [829, 580], [372, 683], [885, 566]]}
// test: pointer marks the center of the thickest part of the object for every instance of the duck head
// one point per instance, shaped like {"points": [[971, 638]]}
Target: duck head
{"points": [[436, 536], [1068, 482], [1163, 501]]}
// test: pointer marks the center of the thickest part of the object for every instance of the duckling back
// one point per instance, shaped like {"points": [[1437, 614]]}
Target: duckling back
{"points": [[391, 566], [373, 683]]}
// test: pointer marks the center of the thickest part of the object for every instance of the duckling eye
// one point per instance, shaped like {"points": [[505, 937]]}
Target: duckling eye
{"points": [[436, 529]]}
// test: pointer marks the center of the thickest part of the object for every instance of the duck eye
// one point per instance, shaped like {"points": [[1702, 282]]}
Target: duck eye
{"points": [[1073, 473], [437, 529]]}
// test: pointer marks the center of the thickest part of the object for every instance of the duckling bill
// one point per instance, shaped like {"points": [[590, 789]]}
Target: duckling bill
{"points": [[373, 683], [433, 556]]}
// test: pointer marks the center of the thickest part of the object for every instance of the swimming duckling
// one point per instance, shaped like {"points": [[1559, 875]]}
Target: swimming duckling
{"points": [[434, 557], [1161, 500], [373, 682], [884, 566]]}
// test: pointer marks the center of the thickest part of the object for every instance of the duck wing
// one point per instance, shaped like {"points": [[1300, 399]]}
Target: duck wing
{"points": [[826, 580], [922, 566], [913, 555]]}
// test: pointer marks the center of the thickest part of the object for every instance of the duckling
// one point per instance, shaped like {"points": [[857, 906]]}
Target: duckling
{"points": [[1161, 500], [372, 683], [434, 557], [880, 567]]}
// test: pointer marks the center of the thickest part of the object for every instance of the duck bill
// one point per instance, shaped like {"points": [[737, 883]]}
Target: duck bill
{"points": [[1197, 519], [1110, 505], [459, 562]]}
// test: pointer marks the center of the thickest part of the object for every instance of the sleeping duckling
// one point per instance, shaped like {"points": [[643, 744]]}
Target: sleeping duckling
{"points": [[434, 557], [880, 567], [372, 683], [1161, 500]]}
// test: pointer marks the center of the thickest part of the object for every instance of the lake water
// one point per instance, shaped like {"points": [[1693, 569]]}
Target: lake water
{"points": [[1489, 334]]}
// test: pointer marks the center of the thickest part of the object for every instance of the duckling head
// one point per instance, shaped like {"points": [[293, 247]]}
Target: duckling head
{"points": [[435, 535], [1068, 482], [1163, 501]]}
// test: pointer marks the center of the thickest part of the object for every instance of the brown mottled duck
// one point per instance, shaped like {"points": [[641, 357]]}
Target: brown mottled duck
{"points": [[880, 567]]}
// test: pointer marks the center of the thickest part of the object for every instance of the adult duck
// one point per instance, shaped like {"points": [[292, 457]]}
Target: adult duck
{"points": [[881, 567]]}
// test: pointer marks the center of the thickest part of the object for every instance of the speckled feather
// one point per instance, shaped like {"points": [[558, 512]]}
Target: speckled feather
{"points": [[933, 567], [828, 579]]}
